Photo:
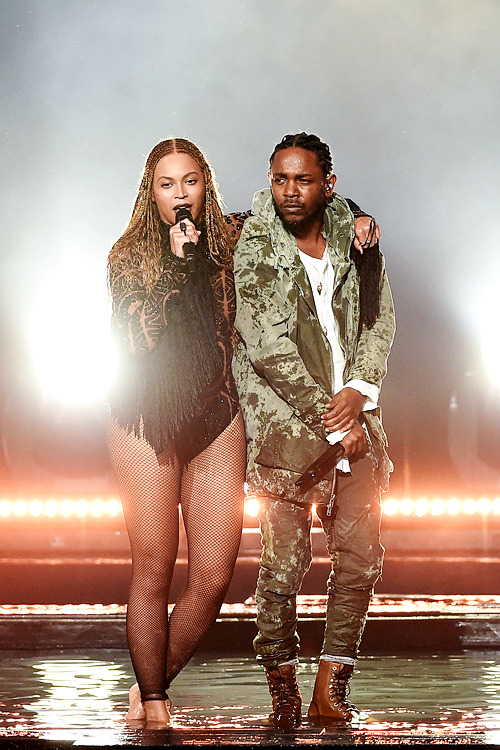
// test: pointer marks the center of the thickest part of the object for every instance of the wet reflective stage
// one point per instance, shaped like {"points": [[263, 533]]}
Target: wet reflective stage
{"points": [[80, 697]]}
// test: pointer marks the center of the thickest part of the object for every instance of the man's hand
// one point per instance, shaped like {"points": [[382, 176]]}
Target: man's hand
{"points": [[367, 233], [343, 410], [355, 443]]}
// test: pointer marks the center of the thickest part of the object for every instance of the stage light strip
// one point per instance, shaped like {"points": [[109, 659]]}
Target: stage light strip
{"points": [[111, 507], [420, 507], [66, 508]]}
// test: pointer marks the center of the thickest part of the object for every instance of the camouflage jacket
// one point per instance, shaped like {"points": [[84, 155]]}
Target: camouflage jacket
{"points": [[283, 366]]}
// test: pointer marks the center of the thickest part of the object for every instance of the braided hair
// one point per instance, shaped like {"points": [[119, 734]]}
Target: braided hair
{"points": [[138, 252], [369, 264], [309, 142]]}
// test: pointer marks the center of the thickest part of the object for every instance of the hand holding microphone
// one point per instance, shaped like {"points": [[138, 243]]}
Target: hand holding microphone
{"points": [[184, 237]]}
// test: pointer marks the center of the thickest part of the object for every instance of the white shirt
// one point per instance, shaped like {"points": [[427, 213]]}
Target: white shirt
{"points": [[321, 275]]}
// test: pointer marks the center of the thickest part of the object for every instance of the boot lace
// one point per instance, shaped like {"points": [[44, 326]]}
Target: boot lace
{"points": [[285, 694], [339, 690]]}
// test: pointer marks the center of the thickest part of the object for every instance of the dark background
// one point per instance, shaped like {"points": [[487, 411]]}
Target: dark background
{"points": [[406, 93]]}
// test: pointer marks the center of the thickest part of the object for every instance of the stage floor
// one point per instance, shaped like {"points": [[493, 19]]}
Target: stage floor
{"points": [[63, 698]]}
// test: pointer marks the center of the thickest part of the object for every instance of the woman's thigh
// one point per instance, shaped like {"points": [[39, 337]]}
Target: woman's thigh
{"points": [[212, 496], [149, 488]]}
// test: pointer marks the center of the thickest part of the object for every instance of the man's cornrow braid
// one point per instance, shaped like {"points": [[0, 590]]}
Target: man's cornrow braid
{"points": [[309, 142]]}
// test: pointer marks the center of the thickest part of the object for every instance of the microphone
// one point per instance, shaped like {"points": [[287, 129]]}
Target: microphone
{"points": [[317, 470], [188, 247]]}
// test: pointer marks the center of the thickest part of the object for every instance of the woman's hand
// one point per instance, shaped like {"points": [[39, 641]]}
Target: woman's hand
{"points": [[367, 233], [180, 233], [343, 410], [355, 443]]}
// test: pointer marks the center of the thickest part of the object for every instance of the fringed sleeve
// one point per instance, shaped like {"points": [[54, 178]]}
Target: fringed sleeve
{"points": [[139, 317]]}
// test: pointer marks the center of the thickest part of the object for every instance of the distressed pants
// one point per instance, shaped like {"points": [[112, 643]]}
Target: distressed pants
{"points": [[353, 542]]}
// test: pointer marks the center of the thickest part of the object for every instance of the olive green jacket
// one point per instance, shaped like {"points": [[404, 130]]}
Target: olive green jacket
{"points": [[283, 367]]}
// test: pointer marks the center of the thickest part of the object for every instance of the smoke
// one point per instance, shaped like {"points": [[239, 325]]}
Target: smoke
{"points": [[406, 94]]}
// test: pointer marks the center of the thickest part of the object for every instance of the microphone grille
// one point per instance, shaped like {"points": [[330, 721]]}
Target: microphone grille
{"points": [[183, 213]]}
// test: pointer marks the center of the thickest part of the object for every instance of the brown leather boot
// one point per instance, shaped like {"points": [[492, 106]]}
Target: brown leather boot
{"points": [[330, 692], [287, 703]]}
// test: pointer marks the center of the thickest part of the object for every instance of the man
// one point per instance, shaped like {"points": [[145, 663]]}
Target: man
{"points": [[317, 326]]}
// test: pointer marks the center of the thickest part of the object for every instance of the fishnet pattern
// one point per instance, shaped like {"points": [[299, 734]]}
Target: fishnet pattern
{"points": [[211, 492]]}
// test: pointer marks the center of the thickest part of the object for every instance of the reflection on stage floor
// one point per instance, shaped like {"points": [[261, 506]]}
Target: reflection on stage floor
{"points": [[79, 698]]}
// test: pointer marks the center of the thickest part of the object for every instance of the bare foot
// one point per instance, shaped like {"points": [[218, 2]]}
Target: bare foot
{"points": [[157, 714], [136, 710]]}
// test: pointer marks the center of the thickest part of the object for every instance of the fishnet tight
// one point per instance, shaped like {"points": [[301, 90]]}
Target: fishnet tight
{"points": [[210, 491]]}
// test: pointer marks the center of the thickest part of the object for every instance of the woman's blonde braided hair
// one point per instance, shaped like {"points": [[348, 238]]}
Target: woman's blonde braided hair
{"points": [[137, 254]]}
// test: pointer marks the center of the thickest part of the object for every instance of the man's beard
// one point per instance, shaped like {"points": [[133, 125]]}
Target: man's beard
{"points": [[296, 226]]}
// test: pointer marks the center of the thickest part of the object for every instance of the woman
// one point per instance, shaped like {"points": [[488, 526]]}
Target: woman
{"points": [[176, 433]]}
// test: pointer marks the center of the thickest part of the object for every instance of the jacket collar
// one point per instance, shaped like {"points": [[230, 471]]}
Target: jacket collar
{"points": [[285, 246]]}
